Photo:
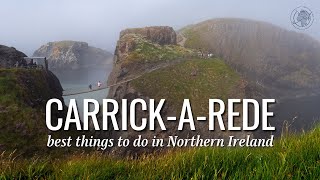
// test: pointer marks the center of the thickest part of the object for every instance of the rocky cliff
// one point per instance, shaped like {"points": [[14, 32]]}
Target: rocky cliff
{"points": [[146, 66], [270, 57], [67, 55], [9, 56], [140, 50], [24, 94], [23, 97]]}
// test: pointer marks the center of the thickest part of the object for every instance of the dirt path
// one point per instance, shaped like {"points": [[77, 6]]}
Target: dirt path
{"points": [[182, 42]]}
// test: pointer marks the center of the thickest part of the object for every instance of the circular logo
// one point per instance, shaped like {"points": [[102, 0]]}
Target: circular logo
{"points": [[301, 17]]}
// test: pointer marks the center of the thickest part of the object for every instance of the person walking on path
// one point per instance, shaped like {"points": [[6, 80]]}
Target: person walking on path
{"points": [[99, 84]]}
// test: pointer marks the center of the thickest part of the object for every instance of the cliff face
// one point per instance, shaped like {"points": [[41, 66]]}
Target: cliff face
{"points": [[66, 55], [267, 55], [9, 56]]}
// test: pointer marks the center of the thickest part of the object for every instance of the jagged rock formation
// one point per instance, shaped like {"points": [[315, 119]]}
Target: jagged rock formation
{"points": [[267, 55], [66, 55], [9, 56]]}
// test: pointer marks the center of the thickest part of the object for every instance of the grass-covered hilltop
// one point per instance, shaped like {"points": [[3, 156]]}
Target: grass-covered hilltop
{"points": [[160, 68], [278, 59]]}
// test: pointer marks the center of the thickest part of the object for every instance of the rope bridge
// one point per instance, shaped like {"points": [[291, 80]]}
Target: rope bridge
{"points": [[97, 88], [87, 90], [69, 92]]}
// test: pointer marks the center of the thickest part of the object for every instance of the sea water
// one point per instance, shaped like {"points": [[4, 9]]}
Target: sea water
{"points": [[79, 81], [97, 95]]}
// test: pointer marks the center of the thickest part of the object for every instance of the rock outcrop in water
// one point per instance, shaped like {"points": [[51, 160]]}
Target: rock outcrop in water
{"points": [[9, 56], [67, 55]]}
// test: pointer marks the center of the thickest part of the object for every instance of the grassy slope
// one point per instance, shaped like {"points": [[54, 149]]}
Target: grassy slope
{"points": [[23, 97], [292, 157], [212, 79], [272, 54], [20, 124], [194, 40]]}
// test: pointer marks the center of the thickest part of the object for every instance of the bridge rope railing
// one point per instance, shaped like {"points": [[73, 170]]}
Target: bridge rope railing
{"points": [[87, 90]]}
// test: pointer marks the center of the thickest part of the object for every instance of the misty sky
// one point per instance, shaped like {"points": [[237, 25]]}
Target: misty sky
{"points": [[27, 24]]}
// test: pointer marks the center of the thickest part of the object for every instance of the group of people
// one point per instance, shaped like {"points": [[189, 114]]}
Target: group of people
{"points": [[204, 54], [99, 84], [30, 64]]}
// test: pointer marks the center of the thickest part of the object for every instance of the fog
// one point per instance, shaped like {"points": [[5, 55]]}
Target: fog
{"points": [[28, 24]]}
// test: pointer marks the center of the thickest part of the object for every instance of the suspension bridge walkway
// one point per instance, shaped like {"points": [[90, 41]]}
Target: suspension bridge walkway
{"points": [[76, 91], [70, 93]]}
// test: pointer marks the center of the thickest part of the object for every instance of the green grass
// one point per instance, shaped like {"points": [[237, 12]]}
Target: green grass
{"points": [[146, 51], [197, 80], [302, 77], [194, 40], [259, 53], [20, 124], [64, 44], [23, 97], [292, 157]]}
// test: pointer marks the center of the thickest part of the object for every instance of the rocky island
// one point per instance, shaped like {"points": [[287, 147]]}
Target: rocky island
{"points": [[73, 60]]}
